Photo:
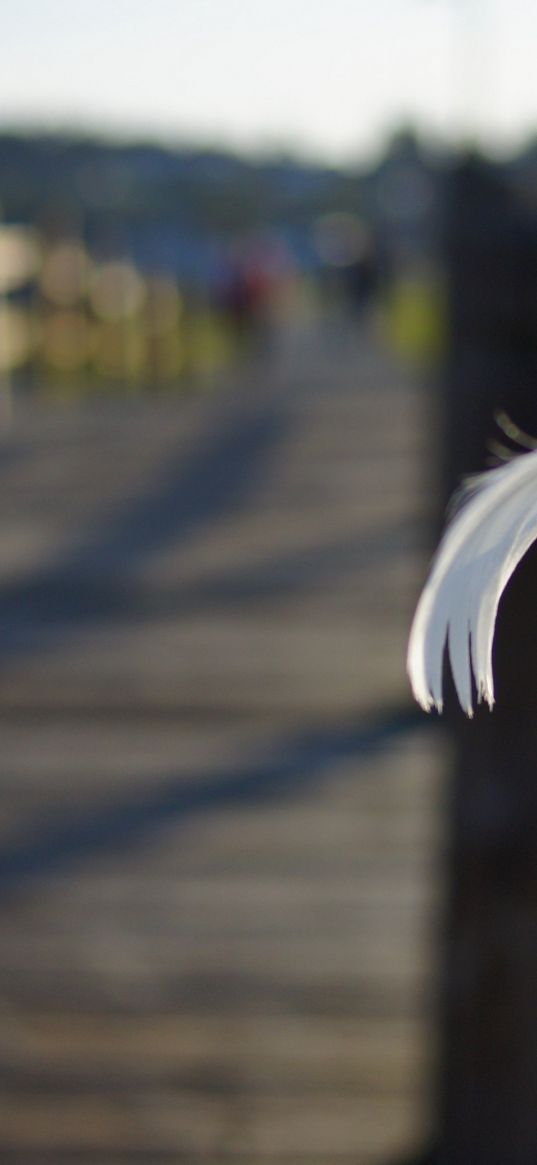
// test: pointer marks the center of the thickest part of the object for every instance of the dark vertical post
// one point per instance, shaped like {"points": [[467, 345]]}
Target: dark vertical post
{"points": [[488, 1087]]}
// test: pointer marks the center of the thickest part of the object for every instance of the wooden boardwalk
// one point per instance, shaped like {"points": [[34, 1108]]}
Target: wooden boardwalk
{"points": [[219, 816]]}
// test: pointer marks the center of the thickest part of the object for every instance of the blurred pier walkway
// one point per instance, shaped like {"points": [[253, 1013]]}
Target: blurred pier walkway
{"points": [[219, 814]]}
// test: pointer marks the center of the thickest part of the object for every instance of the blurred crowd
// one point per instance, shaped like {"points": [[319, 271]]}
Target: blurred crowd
{"points": [[65, 312], [144, 268]]}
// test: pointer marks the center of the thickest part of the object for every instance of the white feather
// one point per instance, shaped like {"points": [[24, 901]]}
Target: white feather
{"points": [[481, 548]]}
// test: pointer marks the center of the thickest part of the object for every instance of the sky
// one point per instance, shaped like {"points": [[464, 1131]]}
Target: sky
{"points": [[331, 78]]}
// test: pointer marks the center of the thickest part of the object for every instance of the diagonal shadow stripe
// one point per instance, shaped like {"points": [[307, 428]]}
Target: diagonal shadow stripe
{"points": [[294, 571], [219, 477], [279, 575], [296, 763]]}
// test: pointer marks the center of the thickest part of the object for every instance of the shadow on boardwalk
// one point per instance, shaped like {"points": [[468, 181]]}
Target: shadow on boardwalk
{"points": [[219, 813]]}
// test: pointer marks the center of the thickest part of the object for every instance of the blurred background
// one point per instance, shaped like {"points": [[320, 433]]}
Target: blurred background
{"points": [[267, 273]]}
